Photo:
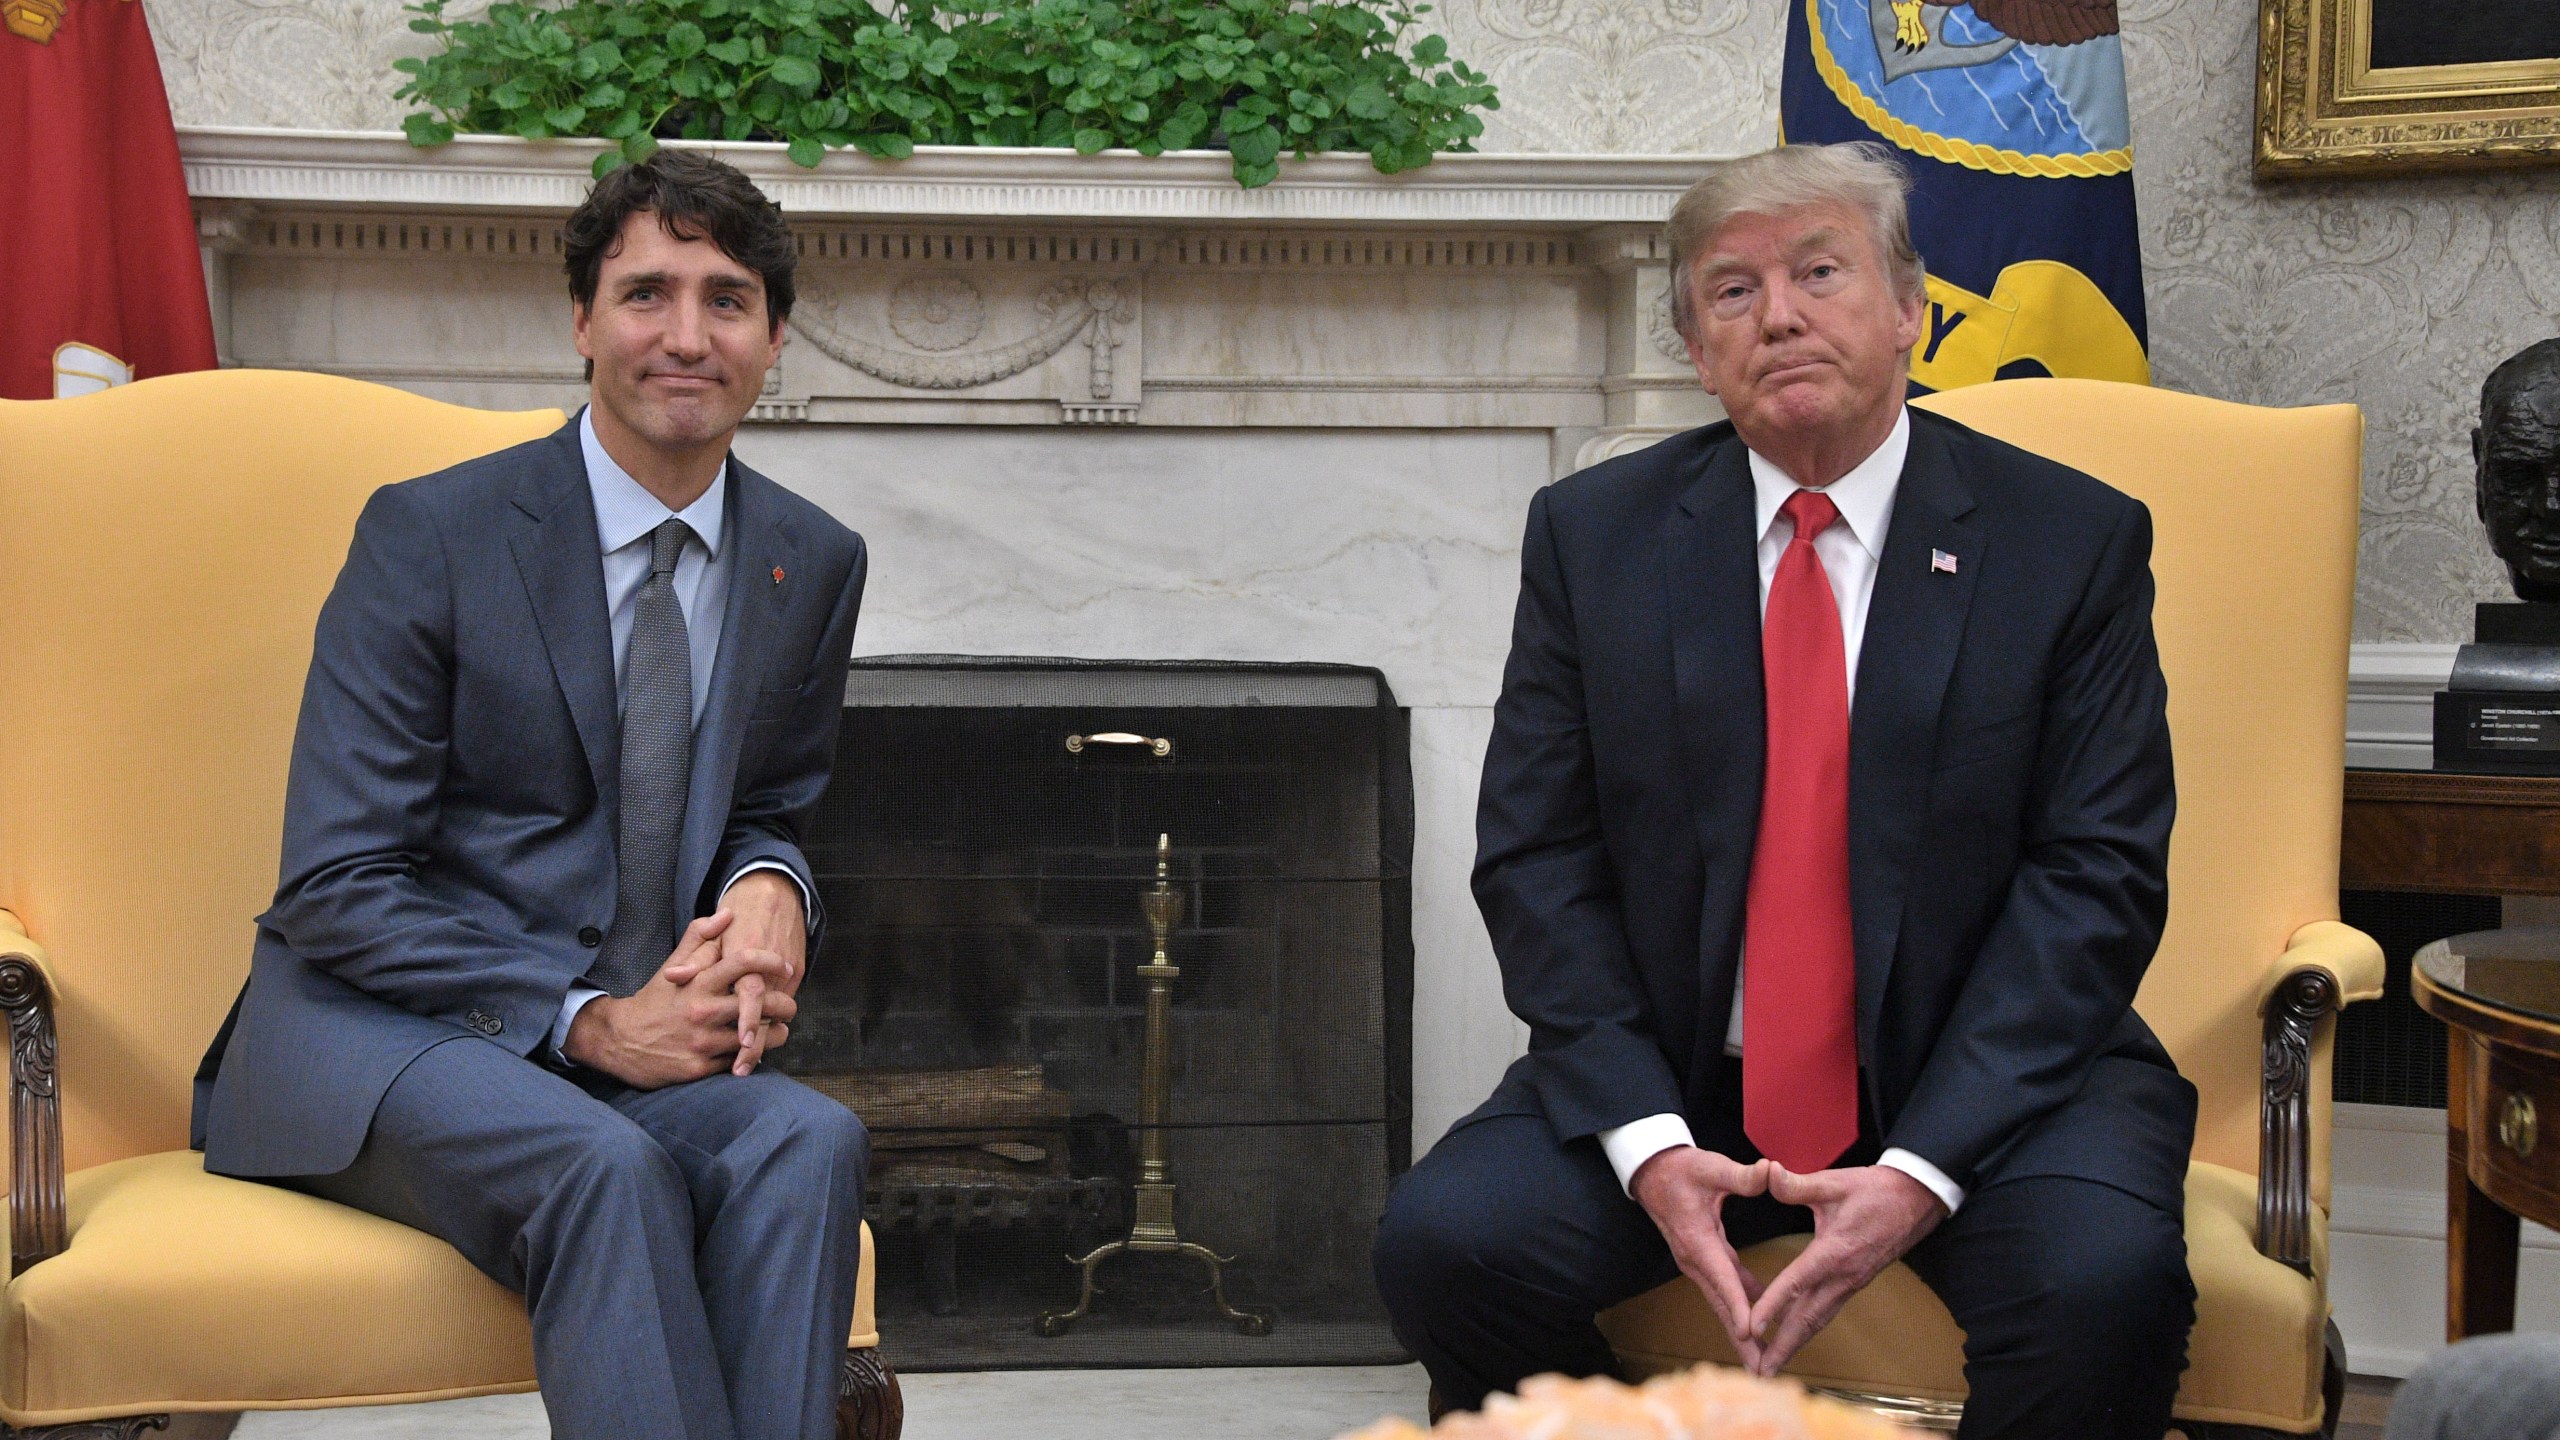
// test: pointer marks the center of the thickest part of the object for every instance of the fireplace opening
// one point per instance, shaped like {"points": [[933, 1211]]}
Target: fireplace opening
{"points": [[1119, 970]]}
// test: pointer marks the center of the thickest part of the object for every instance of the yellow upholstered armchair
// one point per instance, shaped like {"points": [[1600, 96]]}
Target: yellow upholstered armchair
{"points": [[164, 548], [2255, 513]]}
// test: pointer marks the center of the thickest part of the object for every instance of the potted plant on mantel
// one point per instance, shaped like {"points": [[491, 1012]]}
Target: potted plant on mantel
{"points": [[1253, 77]]}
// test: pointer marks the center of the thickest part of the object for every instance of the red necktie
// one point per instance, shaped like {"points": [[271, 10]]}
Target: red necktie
{"points": [[1799, 986]]}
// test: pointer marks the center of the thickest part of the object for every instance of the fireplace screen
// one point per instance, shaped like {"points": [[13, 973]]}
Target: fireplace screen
{"points": [[1119, 973]]}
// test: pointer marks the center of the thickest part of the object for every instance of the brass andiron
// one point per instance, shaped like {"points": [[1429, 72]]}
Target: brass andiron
{"points": [[1154, 1233]]}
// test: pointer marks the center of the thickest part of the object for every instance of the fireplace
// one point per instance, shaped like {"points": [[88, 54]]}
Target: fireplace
{"points": [[999, 836]]}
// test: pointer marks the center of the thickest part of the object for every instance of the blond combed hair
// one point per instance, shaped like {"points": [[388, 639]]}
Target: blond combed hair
{"points": [[1862, 177]]}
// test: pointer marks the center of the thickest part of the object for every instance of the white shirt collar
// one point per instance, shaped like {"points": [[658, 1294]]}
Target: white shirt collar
{"points": [[1864, 495], [625, 510]]}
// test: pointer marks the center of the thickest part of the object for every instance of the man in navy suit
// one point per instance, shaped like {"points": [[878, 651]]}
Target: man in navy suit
{"points": [[1823, 843], [543, 906]]}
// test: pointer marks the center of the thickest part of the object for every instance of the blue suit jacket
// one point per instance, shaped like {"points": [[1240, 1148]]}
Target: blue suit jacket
{"points": [[449, 827], [2010, 800]]}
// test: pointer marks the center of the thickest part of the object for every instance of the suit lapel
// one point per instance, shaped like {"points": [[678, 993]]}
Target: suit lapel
{"points": [[1915, 625], [1711, 576], [556, 553], [746, 629]]}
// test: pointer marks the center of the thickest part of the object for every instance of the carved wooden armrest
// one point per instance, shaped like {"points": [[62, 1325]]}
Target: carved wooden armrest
{"points": [[2326, 967], [37, 1227]]}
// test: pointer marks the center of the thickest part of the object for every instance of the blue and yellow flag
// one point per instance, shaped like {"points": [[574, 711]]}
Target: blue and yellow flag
{"points": [[2011, 116]]}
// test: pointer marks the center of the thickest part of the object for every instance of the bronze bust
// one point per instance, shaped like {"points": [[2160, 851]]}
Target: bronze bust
{"points": [[2516, 452]]}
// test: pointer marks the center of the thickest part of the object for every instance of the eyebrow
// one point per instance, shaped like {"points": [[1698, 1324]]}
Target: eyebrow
{"points": [[1718, 263], [720, 280]]}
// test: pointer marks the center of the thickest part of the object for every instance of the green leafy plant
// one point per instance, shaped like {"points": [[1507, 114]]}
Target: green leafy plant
{"points": [[1259, 77]]}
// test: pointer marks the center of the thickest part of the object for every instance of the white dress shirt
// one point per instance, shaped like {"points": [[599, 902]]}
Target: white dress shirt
{"points": [[626, 515], [1849, 551]]}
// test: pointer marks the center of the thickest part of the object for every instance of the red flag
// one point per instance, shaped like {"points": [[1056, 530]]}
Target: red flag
{"points": [[99, 276]]}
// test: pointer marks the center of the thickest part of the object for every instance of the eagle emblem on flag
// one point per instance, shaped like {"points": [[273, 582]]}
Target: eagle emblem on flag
{"points": [[33, 19]]}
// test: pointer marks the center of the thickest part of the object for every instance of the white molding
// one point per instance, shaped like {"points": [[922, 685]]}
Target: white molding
{"points": [[2409, 1215], [502, 173], [2391, 704], [2349, 1115]]}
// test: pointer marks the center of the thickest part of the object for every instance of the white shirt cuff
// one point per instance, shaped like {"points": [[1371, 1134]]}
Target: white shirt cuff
{"points": [[1949, 1193], [579, 995], [1628, 1146], [807, 904]]}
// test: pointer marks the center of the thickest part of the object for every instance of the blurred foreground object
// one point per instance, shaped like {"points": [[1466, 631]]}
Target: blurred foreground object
{"points": [[1707, 1403]]}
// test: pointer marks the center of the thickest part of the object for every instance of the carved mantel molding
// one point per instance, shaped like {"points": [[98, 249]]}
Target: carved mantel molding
{"points": [[1003, 287], [492, 173]]}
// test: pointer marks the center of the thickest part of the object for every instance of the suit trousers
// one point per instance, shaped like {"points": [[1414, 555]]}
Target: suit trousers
{"points": [[1502, 1244], [688, 1255]]}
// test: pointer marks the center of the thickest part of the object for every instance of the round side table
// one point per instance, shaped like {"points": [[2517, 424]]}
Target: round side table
{"points": [[2498, 992]]}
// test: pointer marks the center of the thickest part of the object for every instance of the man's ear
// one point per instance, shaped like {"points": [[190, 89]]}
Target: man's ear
{"points": [[580, 312], [1910, 321]]}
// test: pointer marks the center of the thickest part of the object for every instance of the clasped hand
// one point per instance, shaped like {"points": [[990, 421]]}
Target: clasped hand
{"points": [[719, 1002], [1864, 1218]]}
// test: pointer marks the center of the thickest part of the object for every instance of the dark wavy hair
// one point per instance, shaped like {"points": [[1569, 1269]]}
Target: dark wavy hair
{"points": [[695, 197]]}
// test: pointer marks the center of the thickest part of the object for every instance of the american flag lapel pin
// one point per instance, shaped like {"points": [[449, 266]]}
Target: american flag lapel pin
{"points": [[1940, 563]]}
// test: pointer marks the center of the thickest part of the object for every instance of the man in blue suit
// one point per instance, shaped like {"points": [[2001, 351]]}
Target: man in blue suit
{"points": [[1823, 843], [543, 906]]}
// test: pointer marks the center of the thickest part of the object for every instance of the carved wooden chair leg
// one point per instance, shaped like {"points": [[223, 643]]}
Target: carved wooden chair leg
{"points": [[869, 1405]]}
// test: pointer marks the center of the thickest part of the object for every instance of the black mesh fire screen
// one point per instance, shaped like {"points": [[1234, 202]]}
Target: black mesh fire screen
{"points": [[1004, 843]]}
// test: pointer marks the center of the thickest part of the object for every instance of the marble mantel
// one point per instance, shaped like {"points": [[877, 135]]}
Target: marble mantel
{"points": [[1005, 287]]}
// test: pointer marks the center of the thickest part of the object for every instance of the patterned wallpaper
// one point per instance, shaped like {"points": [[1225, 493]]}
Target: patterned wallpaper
{"points": [[2397, 294]]}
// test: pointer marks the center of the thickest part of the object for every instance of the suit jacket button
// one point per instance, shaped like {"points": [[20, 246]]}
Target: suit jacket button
{"points": [[484, 1022], [590, 936]]}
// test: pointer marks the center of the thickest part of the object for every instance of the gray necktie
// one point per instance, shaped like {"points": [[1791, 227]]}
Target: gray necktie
{"points": [[657, 764]]}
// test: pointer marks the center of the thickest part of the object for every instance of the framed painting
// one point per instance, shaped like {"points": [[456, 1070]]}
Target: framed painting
{"points": [[2400, 86]]}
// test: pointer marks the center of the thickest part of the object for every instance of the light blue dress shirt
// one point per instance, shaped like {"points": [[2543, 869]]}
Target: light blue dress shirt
{"points": [[626, 515]]}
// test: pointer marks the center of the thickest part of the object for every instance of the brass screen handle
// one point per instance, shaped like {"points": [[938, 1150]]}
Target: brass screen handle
{"points": [[2518, 1127], [1159, 748]]}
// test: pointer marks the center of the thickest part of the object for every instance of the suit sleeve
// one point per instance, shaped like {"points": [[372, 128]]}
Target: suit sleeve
{"points": [[1544, 880], [362, 795], [2058, 968], [773, 808]]}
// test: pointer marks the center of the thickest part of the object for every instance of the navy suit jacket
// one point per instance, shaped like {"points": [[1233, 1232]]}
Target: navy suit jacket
{"points": [[2010, 799], [450, 812]]}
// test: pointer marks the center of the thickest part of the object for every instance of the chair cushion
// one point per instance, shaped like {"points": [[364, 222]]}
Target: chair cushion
{"points": [[183, 1291], [186, 1291], [2254, 1359]]}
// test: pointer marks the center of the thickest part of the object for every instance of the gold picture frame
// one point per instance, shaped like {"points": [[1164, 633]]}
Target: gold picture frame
{"points": [[2324, 109]]}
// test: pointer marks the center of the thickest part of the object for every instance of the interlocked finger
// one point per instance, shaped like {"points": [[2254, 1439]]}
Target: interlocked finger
{"points": [[750, 1024]]}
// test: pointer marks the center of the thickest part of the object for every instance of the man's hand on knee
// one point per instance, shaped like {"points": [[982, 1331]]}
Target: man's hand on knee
{"points": [[1864, 1219], [687, 1022], [1684, 1189]]}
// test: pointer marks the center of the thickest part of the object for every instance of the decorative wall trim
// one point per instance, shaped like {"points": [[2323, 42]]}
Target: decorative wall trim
{"points": [[501, 173], [1371, 384], [1069, 308], [2391, 704], [441, 374]]}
